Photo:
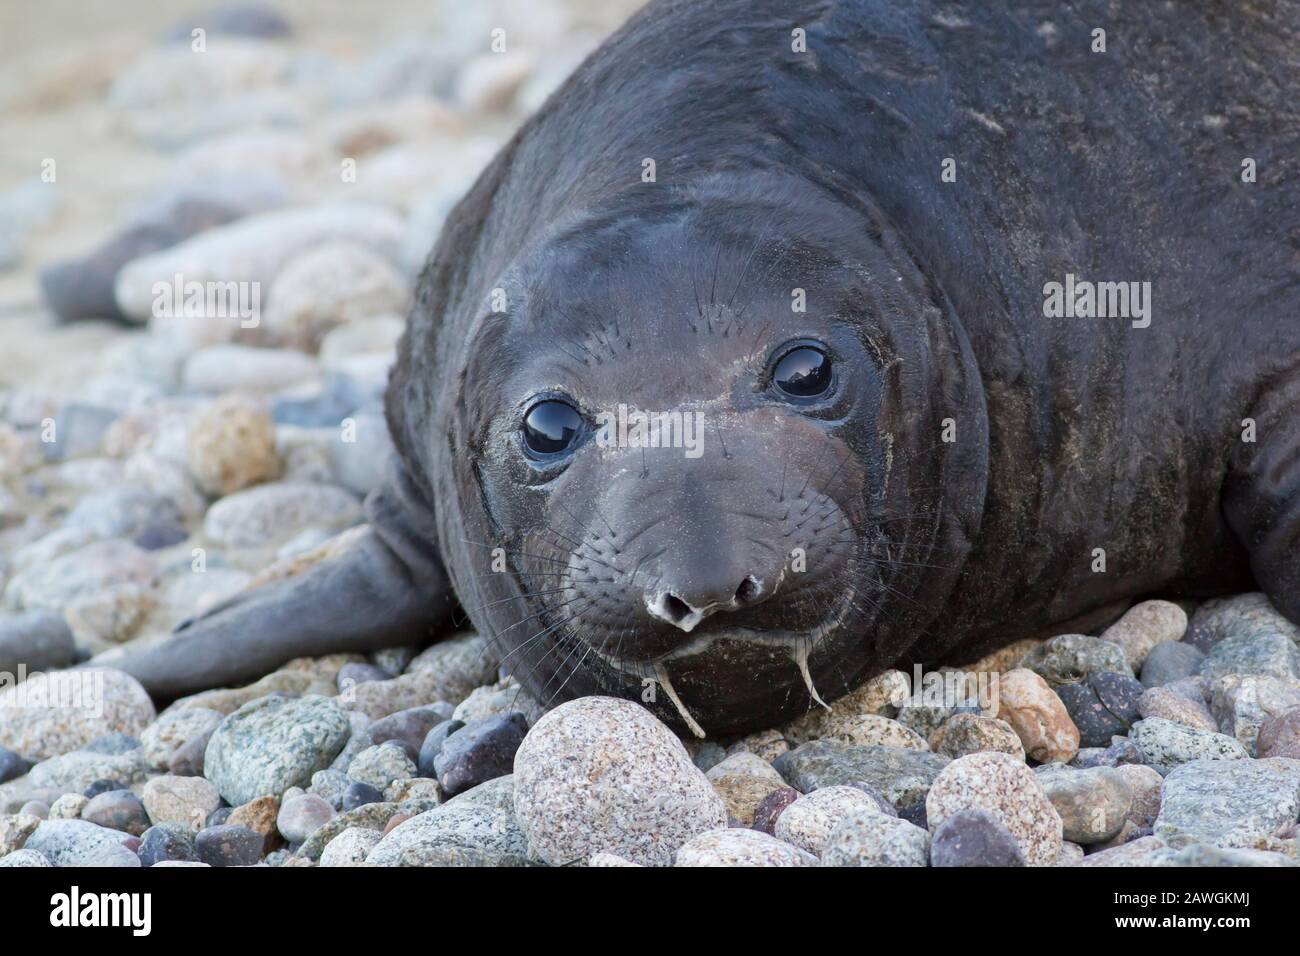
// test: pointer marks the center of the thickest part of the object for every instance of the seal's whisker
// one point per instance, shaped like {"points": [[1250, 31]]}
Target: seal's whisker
{"points": [[799, 653], [518, 597], [518, 554], [661, 674], [578, 642]]}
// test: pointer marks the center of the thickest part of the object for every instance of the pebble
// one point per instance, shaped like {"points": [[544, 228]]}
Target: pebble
{"points": [[79, 431], [1279, 736], [432, 745], [489, 81], [1143, 627], [1070, 658], [114, 743], [230, 446], [330, 285], [357, 672], [360, 464], [80, 843], [86, 573], [901, 776], [1242, 702], [1071, 854], [915, 813], [232, 19], [411, 727], [1242, 615], [117, 810], [25, 858], [243, 368], [166, 842], [376, 335], [767, 744], [772, 806], [974, 838], [24, 210], [808, 821], [184, 800], [599, 773], [381, 765], [503, 697], [350, 847], [218, 816], [479, 751], [1093, 804], [1103, 705], [1171, 661], [372, 816], [174, 730], [119, 512], [450, 674], [187, 759], [1168, 745], [964, 734], [744, 780], [1007, 789], [609, 859], [415, 788], [258, 815], [1038, 717], [14, 830], [39, 640], [1238, 803], [303, 815], [228, 845], [272, 744], [882, 694], [706, 754], [255, 248], [865, 730], [68, 807], [12, 765], [736, 846], [74, 772], [329, 785], [1144, 784], [479, 827], [870, 838], [925, 719], [1266, 653], [359, 795], [281, 683], [1165, 702]]}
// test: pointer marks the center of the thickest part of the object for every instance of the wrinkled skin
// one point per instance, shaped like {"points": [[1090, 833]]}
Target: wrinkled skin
{"points": [[949, 494]]}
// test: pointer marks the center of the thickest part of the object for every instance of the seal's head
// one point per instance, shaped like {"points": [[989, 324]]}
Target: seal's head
{"points": [[698, 454]]}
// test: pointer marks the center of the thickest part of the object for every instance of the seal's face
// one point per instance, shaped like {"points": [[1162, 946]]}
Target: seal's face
{"points": [[678, 469]]}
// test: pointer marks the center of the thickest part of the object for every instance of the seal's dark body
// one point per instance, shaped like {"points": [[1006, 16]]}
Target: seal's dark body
{"points": [[1072, 434]]}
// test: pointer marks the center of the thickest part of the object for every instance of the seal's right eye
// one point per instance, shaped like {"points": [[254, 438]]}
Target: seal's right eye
{"points": [[551, 428]]}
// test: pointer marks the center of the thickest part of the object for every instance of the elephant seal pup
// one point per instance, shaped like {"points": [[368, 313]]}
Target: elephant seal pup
{"points": [[789, 342]]}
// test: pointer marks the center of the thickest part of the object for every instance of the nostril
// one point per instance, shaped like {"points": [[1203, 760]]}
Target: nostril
{"points": [[749, 591], [675, 609]]}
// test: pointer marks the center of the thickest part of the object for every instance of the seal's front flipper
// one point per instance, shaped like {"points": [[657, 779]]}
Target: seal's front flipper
{"points": [[386, 588], [1262, 498]]}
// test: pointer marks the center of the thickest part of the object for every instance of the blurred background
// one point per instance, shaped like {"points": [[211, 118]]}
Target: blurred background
{"points": [[114, 95], [308, 153]]}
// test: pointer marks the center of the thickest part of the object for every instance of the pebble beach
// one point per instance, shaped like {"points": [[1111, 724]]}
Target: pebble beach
{"points": [[159, 455]]}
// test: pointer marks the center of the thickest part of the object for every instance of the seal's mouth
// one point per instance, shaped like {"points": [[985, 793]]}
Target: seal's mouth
{"points": [[799, 643]]}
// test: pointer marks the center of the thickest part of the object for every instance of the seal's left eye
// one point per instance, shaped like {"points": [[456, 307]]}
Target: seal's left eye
{"points": [[551, 427], [803, 372]]}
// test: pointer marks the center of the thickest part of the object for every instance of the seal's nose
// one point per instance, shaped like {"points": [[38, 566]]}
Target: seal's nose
{"points": [[685, 607]]}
